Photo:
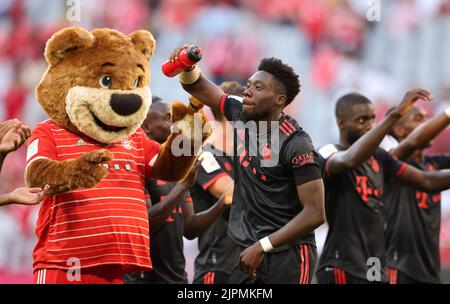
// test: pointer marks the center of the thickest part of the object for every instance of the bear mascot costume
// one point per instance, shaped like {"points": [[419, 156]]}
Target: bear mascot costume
{"points": [[93, 225]]}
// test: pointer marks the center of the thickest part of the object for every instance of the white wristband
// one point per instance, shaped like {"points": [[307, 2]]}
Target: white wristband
{"points": [[447, 112], [191, 76], [266, 244]]}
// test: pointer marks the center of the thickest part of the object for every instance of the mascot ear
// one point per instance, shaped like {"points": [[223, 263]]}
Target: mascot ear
{"points": [[144, 42], [65, 41]]}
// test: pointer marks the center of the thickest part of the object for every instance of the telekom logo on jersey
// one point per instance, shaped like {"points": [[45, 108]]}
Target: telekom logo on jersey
{"points": [[261, 139]]}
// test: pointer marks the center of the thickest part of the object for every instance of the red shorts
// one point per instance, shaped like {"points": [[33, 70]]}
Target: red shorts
{"points": [[106, 274]]}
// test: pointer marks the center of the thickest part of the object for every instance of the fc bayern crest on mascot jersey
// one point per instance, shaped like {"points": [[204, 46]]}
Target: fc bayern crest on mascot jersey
{"points": [[127, 144]]}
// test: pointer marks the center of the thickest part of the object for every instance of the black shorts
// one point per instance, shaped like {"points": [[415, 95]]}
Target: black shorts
{"points": [[292, 266], [397, 277], [336, 275], [212, 277]]}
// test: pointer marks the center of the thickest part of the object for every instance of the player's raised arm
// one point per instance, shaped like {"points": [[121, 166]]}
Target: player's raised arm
{"points": [[196, 85], [422, 135], [360, 122]]}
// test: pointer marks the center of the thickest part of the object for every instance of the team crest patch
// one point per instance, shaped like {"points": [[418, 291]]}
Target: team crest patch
{"points": [[126, 143]]}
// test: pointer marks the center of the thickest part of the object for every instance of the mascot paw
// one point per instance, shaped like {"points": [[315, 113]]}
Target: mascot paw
{"points": [[191, 120], [88, 171], [97, 157]]}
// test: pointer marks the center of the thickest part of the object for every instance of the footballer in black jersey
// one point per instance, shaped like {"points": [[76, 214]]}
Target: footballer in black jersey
{"points": [[166, 241], [413, 217], [278, 197], [218, 254], [355, 174]]}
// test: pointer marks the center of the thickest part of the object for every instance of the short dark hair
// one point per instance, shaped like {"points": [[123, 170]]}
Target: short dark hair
{"points": [[345, 102], [285, 75]]}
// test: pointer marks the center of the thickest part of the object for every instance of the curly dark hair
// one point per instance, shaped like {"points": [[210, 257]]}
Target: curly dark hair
{"points": [[284, 74]]}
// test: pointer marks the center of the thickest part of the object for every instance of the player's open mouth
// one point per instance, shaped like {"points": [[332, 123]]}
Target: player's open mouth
{"points": [[107, 127]]}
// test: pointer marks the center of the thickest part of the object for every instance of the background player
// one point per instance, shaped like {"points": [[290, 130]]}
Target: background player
{"points": [[171, 214], [413, 217], [355, 174], [218, 254]]}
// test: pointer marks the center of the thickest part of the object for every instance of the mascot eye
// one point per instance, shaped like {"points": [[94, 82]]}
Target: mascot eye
{"points": [[105, 81], [136, 82]]}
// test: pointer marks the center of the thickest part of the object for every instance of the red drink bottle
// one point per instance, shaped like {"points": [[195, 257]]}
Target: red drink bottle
{"points": [[187, 58]]}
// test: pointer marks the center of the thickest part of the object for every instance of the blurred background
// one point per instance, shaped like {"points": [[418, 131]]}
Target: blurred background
{"points": [[379, 48]]}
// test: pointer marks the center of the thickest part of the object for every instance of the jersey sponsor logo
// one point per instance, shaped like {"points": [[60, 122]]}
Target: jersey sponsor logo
{"points": [[423, 199], [33, 149], [303, 159], [209, 163], [176, 213], [365, 190], [327, 150]]}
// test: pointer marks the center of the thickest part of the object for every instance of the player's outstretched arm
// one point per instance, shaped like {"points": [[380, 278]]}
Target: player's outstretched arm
{"points": [[198, 86], [422, 135], [24, 196], [366, 145], [312, 195], [427, 181], [194, 224]]}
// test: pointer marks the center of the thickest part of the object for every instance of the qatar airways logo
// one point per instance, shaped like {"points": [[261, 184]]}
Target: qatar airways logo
{"points": [[260, 139], [303, 159]]}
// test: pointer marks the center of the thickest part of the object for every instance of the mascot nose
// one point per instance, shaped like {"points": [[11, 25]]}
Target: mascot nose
{"points": [[125, 104]]}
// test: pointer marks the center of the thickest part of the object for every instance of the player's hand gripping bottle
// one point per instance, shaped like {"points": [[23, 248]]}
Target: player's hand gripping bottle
{"points": [[188, 57]]}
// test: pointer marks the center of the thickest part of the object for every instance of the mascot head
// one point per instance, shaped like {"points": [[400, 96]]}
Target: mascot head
{"points": [[96, 82]]}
